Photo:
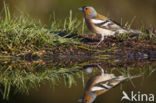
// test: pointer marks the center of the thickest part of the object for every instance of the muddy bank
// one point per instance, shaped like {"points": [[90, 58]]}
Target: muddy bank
{"points": [[129, 46]]}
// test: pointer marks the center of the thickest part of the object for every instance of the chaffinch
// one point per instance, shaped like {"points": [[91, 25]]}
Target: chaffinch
{"points": [[100, 24], [100, 84]]}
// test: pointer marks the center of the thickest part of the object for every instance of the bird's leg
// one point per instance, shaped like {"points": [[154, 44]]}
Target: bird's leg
{"points": [[102, 70], [102, 38]]}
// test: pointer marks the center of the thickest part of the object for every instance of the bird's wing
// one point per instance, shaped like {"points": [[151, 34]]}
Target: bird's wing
{"points": [[105, 85], [109, 84], [108, 24]]}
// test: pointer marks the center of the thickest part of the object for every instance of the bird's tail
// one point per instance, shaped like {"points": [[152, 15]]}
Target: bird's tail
{"points": [[121, 78], [135, 76], [134, 31]]}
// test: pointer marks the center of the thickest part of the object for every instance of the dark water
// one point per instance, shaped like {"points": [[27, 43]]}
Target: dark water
{"points": [[70, 78], [63, 80], [63, 94]]}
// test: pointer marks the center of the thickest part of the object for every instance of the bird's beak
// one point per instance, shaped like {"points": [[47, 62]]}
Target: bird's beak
{"points": [[81, 9]]}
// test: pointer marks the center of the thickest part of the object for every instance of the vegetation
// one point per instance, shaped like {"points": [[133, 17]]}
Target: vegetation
{"points": [[28, 52], [21, 34], [25, 75]]}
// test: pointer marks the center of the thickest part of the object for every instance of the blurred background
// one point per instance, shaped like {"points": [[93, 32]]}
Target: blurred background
{"points": [[143, 10]]}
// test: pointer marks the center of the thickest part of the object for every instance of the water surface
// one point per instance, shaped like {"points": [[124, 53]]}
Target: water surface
{"points": [[65, 80]]}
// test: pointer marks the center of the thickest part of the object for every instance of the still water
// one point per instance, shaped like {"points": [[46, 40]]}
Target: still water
{"points": [[71, 79], [67, 79]]}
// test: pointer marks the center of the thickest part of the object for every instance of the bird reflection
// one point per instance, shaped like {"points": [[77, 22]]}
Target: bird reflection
{"points": [[100, 84]]}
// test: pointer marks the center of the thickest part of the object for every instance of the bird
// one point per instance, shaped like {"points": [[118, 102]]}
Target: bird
{"points": [[100, 84], [102, 25]]}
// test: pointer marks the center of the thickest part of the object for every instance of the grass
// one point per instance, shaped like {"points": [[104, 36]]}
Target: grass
{"points": [[23, 76], [23, 35], [20, 34]]}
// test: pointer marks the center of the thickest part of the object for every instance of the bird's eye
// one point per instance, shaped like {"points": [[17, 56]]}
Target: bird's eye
{"points": [[86, 8]]}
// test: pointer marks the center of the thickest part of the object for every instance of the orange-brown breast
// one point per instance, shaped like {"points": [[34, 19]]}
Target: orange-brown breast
{"points": [[87, 98], [90, 25]]}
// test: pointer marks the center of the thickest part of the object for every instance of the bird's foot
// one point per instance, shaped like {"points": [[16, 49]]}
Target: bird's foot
{"points": [[102, 70], [98, 44]]}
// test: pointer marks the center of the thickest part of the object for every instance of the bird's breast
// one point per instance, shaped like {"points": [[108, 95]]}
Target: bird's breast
{"points": [[90, 26], [98, 30]]}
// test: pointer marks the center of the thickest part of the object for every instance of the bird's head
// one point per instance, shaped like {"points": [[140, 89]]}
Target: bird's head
{"points": [[89, 97], [88, 11]]}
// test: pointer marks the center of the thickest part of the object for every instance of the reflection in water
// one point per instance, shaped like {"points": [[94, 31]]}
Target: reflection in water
{"points": [[100, 84], [21, 75]]}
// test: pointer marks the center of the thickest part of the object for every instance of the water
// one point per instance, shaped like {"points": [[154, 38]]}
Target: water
{"points": [[63, 79], [55, 81]]}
